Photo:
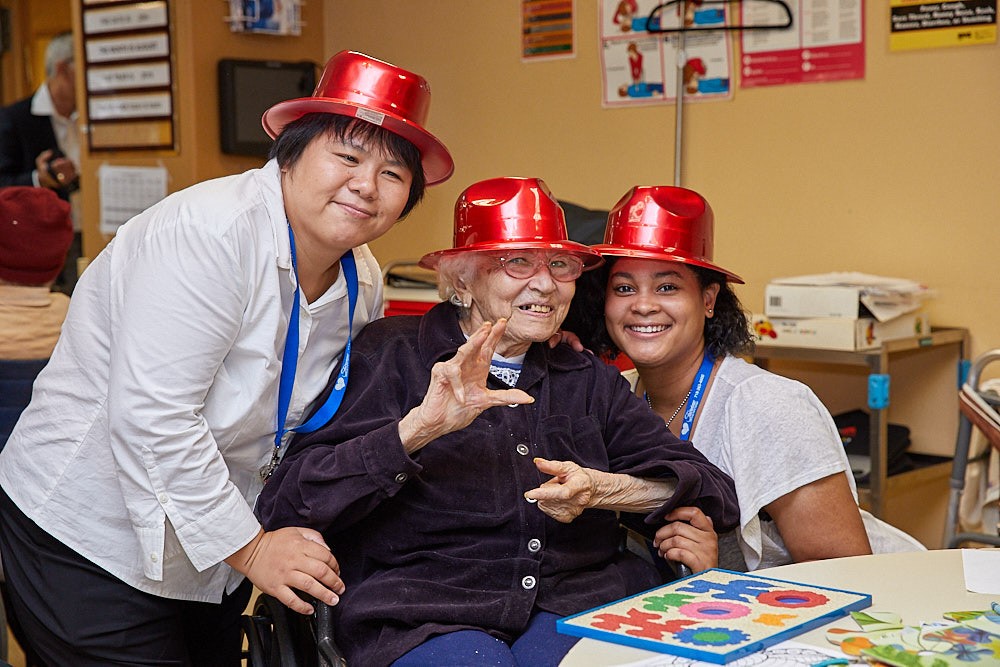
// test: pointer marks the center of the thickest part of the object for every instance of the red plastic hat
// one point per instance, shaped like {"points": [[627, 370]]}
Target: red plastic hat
{"points": [[357, 85], [510, 214], [662, 222], [36, 230]]}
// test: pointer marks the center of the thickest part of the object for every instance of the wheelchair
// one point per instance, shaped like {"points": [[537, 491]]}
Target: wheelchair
{"points": [[276, 636]]}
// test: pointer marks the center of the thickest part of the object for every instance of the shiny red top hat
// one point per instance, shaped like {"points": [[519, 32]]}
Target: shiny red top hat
{"points": [[510, 214], [36, 230], [357, 85], [662, 222]]}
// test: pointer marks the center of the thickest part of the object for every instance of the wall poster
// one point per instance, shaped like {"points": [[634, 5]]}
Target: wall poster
{"points": [[825, 43], [917, 24], [546, 29], [642, 67]]}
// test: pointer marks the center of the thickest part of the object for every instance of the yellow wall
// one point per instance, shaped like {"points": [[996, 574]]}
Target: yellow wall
{"points": [[32, 25], [200, 37], [897, 174]]}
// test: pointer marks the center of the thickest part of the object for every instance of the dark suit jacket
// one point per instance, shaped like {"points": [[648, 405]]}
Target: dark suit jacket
{"points": [[22, 137]]}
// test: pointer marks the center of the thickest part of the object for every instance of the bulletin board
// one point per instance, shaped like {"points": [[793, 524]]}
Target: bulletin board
{"points": [[128, 75]]}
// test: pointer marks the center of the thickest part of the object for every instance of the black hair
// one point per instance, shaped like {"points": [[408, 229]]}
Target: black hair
{"points": [[726, 332], [289, 146]]}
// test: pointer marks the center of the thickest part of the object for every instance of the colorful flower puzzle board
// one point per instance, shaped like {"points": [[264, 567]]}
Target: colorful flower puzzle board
{"points": [[716, 615]]}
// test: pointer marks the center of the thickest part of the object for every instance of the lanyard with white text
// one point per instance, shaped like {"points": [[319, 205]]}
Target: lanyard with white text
{"points": [[289, 360], [697, 392]]}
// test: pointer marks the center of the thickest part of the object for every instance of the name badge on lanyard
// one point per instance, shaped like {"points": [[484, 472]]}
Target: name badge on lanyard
{"points": [[697, 393], [290, 357]]}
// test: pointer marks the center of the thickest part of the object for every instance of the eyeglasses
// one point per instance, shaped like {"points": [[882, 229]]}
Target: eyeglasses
{"points": [[521, 265]]}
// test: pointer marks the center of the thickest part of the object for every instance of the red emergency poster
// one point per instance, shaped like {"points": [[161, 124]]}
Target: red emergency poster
{"points": [[825, 42]]}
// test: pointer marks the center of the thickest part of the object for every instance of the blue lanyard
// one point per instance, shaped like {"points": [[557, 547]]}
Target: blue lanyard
{"points": [[697, 393], [290, 357]]}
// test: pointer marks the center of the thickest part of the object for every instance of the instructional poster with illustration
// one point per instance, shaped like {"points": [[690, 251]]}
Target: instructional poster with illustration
{"points": [[826, 42], [640, 65]]}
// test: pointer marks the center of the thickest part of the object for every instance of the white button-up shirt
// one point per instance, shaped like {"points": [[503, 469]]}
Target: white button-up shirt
{"points": [[146, 431]]}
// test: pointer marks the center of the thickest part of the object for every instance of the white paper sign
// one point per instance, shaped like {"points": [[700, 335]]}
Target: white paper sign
{"points": [[982, 570], [128, 191]]}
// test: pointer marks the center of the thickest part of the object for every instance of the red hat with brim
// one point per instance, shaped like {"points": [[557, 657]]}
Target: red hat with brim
{"points": [[354, 84], [509, 213], [665, 223]]}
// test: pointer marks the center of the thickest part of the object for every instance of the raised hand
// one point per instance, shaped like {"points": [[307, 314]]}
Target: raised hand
{"points": [[689, 539], [457, 391]]}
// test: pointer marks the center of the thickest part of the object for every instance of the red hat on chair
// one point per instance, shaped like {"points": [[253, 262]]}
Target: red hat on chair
{"points": [[662, 222], [510, 214], [36, 230], [357, 85]]}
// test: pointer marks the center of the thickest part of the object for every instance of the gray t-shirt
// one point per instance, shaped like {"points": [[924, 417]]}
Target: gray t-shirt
{"points": [[772, 435]]}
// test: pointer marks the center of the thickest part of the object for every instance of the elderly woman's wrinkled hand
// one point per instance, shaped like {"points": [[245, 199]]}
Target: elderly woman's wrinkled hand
{"points": [[457, 392], [569, 492]]}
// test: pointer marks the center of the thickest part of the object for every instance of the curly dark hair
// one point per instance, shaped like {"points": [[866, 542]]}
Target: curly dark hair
{"points": [[726, 332]]}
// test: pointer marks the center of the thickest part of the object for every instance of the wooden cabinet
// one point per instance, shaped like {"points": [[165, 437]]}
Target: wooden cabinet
{"points": [[910, 381]]}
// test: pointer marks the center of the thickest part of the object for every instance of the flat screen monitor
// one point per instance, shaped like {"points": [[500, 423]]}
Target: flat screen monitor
{"points": [[247, 88]]}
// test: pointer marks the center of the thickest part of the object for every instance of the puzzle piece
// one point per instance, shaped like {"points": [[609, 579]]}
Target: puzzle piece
{"points": [[666, 602], [740, 590], [644, 624], [777, 620]]}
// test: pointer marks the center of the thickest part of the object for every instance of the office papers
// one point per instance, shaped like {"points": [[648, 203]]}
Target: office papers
{"points": [[982, 570]]}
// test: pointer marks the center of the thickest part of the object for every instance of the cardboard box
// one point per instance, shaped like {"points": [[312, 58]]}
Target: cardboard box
{"points": [[836, 333], [845, 301]]}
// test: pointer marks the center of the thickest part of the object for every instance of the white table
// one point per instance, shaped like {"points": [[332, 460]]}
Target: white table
{"points": [[919, 586]]}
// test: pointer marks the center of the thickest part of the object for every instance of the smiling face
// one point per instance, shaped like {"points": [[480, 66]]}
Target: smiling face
{"points": [[340, 194], [535, 306], [655, 311]]}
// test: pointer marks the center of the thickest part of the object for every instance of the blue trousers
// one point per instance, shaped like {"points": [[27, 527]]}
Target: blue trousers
{"points": [[539, 646]]}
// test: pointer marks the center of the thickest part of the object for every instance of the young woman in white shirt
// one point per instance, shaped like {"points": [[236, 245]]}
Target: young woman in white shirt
{"points": [[194, 343], [662, 301]]}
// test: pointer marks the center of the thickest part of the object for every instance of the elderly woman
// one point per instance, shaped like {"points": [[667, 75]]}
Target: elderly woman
{"points": [[471, 482], [194, 342]]}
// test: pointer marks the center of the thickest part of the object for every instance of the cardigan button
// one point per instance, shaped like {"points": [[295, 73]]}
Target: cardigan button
{"points": [[528, 583], [401, 477], [534, 545], [522, 449]]}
